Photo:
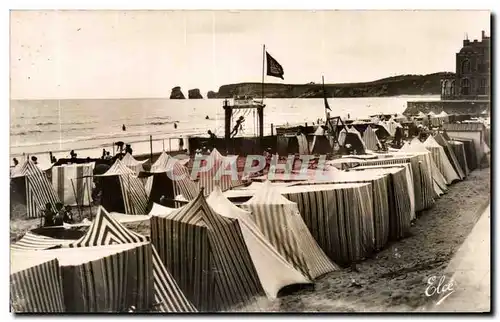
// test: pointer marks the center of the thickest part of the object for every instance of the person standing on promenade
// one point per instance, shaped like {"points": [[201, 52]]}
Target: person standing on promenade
{"points": [[15, 162]]}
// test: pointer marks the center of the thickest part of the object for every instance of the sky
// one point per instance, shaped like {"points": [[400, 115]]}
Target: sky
{"points": [[140, 54]]}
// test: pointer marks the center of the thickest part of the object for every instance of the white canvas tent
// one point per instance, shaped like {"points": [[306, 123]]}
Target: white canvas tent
{"points": [[273, 270], [280, 221]]}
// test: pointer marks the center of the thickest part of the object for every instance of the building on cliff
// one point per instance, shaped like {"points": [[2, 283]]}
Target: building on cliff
{"points": [[468, 90], [472, 77]]}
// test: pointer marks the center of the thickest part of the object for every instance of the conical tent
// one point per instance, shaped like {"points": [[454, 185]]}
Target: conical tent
{"points": [[441, 160], [215, 174], [280, 221], [105, 230], [170, 179], [122, 190], [129, 161], [207, 255], [273, 270], [31, 187], [370, 139]]}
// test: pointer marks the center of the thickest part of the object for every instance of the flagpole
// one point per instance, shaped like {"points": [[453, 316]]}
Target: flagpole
{"points": [[263, 64]]}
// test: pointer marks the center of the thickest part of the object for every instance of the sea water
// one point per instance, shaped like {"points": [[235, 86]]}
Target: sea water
{"points": [[89, 125]]}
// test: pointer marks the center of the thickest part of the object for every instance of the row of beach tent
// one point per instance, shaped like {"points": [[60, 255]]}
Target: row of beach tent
{"points": [[230, 244]]}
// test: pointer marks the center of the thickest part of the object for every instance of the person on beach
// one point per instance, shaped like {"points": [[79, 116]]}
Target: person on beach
{"points": [[73, 154], [34, 159], [52, 158], [207, 118], [58, 219], [48, 215], [103, 153], [108, 156], [238, 126], [124, 128], [128, 149], [175, 126], [68, 215], [181, 144], [15, 162]]}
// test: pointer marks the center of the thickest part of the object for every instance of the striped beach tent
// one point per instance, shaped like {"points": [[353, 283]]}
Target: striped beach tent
{"points": [[379, 196], [370, 139], [281, 223], [73, 183], [441, 160], [122, 190], [31, 242], [450, 154], [339, 216], [129, 161], [207, 255], [321, 143], [101, 279], [401, 210], [273, 270], [35, 284], [459, 150], [105, 230], [31, 187], [169, 178], [217, 170]]}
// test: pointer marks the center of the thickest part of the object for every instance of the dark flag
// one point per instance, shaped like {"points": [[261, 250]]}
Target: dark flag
{"points": [[273, 67]]}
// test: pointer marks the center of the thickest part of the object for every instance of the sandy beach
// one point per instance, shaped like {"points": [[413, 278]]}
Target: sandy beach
{"points": [[395, 278]]}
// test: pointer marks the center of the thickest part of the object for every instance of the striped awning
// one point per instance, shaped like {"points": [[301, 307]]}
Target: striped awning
{"points": [[207, 255], [39, 191]]}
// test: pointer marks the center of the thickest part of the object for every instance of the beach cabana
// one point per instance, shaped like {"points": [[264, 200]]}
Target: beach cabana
{"points": [[122, 190], [31, 187], [35, 284], [73, 183], [169, 178], [207, 255], [280, 221], [129, 161], [459, 150], [272, 268]]}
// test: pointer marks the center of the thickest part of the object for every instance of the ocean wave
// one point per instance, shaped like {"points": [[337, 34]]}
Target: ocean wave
{"points": [[27, 132], [160, 123], [45, 123]]}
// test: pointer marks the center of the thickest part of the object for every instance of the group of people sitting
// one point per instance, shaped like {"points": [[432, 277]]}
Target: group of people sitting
{"points": [[62, 214]]}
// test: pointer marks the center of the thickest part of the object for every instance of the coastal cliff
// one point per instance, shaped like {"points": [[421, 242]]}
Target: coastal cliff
{"points": [[391, 86], [176, 93], [194, 94]]}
